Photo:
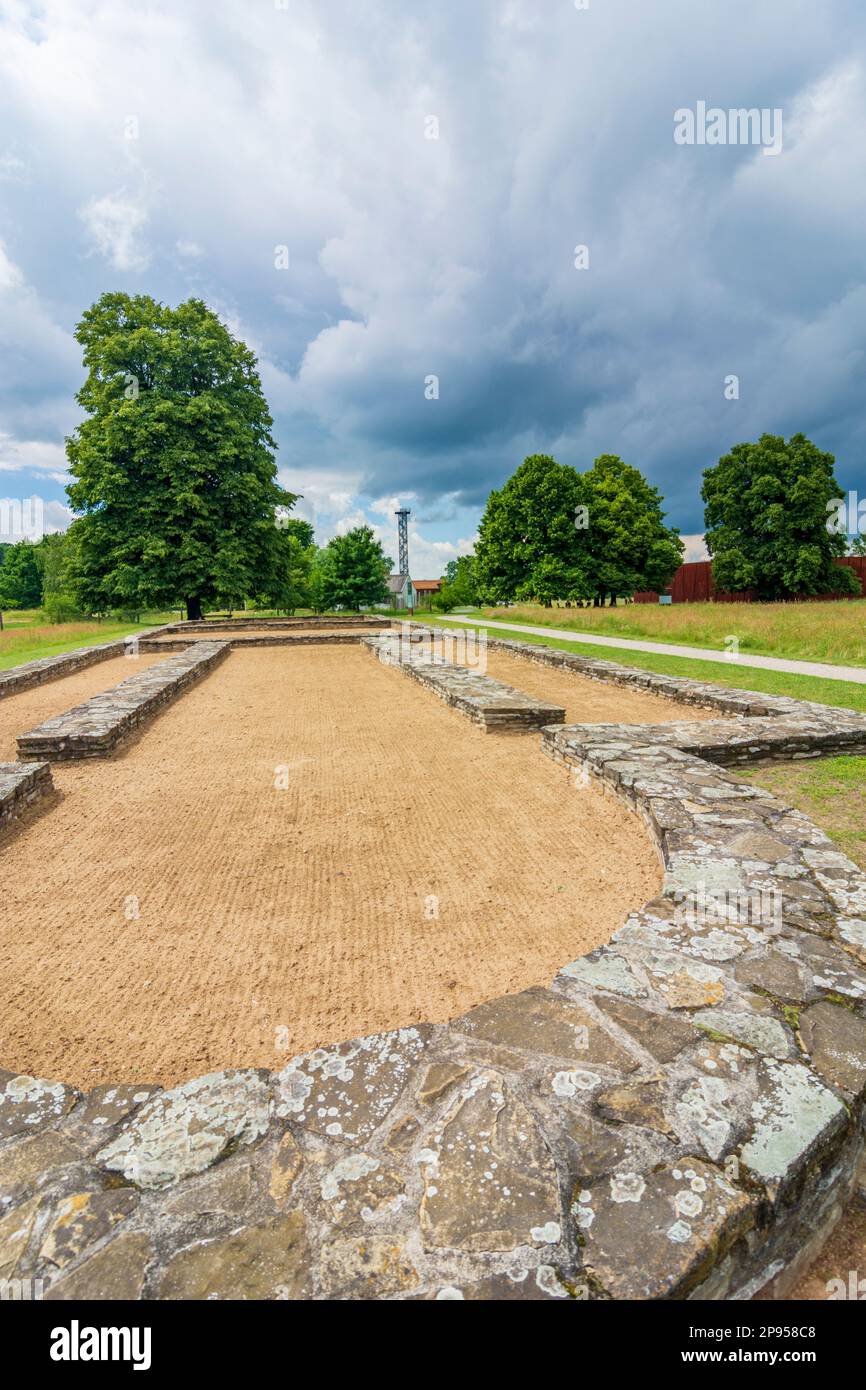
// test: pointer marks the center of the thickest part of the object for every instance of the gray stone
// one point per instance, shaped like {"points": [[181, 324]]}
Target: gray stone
{"points": [[113, 1274], [656, 1235], [542, 1021], [29, 1103], [346, 1092], [766, 1035], [261, 1262], [795, 1120], [836, 1042], [81, 1220], [187, 1129], [489, 1178]]}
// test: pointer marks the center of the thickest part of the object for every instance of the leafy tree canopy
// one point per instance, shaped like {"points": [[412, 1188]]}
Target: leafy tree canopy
{"points": [[528, 546], [352, 572], [174, 467], [553, 533], [458, 585], [21, 577], [630, 545], [766, 512]]}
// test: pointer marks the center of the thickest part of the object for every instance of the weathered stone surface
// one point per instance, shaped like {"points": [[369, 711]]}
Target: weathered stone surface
{"points": [[835, 1040], [605, 970], [226, 1190], [691, 987], [81, 1220], [31, 1158], [637, 1103], [489, 1179], [261, 1262], [285, 1168], [538, 1284], [345, 1092], [662, 1035], [438, 1079], [23, 787], [766, 1035], [359, 1190], [370, 1266], [707, 1115], [404, 1134], [542, 1021], [185, 1130], [107, 1106], [595, 1149], [15, 1230], [780, 975], [656, 1235], [114, 1273], [795, 1118], [28, 1104]]}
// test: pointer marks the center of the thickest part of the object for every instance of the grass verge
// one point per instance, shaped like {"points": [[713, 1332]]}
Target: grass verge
{"points": [[840, 694]]}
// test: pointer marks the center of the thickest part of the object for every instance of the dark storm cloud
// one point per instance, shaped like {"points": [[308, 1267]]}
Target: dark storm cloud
{"points": [[452, 257]]}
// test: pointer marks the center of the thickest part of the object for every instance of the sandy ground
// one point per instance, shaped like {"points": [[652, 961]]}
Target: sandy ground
{"points": [[21, 713], [176, 912], [586, 701]]}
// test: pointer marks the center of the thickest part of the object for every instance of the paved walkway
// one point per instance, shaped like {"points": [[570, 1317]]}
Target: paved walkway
{"points": [[766, 663]]}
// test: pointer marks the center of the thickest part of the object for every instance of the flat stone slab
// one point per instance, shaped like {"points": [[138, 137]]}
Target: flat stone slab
{"points": [[494, 706], [653, 1235], [96, 728], [185, 1130]]}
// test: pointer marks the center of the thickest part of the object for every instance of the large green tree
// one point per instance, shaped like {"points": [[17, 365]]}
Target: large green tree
{"points": [[21, 577], [529, 546], [353, 571], [630, 546], [767, 511], [175, 479], [553, 533]]}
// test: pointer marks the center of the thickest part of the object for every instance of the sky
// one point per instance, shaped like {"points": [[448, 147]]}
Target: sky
{"points": [[386, 202]]}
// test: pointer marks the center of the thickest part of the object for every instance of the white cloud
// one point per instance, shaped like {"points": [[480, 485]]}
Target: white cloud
{"points": [[115, 223]]}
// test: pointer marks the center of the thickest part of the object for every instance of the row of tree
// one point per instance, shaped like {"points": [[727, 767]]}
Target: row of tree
{"points": [[349, 572], [775, 515], [554, 533]]}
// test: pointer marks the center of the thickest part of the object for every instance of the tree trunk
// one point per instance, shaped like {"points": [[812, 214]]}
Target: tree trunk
{"points": [[193, 610], [613, 600]]}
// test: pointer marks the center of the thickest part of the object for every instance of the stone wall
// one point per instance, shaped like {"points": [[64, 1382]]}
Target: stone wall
{"points": [[22, 788], [49, 668], [678, 1115], [494, 706], [96, 728]]}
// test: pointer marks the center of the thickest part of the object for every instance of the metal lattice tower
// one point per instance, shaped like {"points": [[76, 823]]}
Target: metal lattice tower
{"points": [[403, 539]]}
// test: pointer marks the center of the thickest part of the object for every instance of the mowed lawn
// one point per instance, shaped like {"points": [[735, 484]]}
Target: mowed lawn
{"points": [[833, 632], [26, 638]]}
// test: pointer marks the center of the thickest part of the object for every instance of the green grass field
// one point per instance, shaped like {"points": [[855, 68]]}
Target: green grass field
{"points": [[26, 638], [834, 632]]}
